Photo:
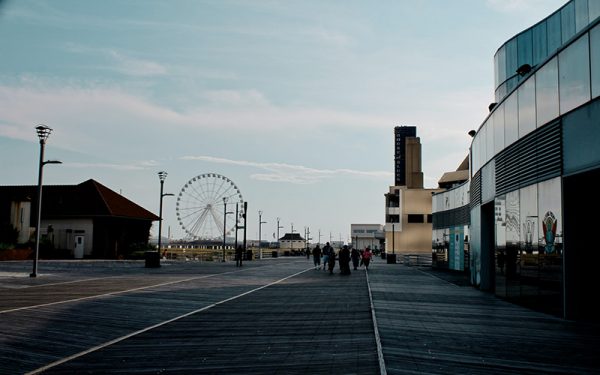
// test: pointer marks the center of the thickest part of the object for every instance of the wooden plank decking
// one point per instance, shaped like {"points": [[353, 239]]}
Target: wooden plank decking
{"points": [[276, 316]]}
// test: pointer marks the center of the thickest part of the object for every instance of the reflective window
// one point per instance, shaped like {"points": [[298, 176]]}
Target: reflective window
{"points": [[540, 43], [524, 49], [511, 120], [581, 14], [511, 59], [475, 154], [546, 92], [526, 99], [593, 9], [482, 145], [501, 65], [595, 59], [554, 33], [574, 75], [567, 21], [498, 129], [511, 84], [489, 135]]}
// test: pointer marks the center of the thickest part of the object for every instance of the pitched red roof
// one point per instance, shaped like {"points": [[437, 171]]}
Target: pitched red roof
{"points": [[88, 199]]}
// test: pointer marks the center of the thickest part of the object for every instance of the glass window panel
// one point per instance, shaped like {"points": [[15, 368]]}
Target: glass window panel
{"points": [[593, 9], [553, 32], [511, 84], [550, 214], [526, 99], [581, 14], [546, 92], [567, 21], [574, 75], [475, 155], [501, 92], [595, 59], [529, 219], [511, 58], [482, 145], [498, 129], [540, 43], [496, 74], [489, 135], [501, 65], [488, 182], [511, 120], [524, 49]]}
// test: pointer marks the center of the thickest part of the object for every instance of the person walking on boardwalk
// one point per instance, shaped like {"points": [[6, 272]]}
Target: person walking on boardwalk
{"points": [[326, 249], [355, 254], [331, 259], [366, 257], [345, 260], [238, 256], [317, 257]]}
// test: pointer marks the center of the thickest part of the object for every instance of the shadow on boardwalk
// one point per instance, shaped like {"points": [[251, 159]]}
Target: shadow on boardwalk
{"points": [[434, 326]]}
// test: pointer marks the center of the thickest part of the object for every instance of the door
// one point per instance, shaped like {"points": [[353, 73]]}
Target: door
{"points": [[79, 246]]}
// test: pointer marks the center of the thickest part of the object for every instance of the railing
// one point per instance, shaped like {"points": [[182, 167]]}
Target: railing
{"points": [[417, 260], [210, 255]]}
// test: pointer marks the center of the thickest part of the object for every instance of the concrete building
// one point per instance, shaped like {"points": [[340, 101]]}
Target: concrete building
{"points": [[408, 220], [291, 243], [534, 163], [364, 235]]}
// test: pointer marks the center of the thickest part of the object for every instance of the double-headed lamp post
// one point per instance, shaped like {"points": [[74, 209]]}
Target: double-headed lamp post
{"points": [[260, 223], [43, 132], [162, 175]]}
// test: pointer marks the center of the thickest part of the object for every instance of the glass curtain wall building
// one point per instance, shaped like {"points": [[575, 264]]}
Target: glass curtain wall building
{"points": [[534, 161]]}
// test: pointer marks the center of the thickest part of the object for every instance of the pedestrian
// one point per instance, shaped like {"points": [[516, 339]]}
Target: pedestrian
{"points": [[307, 252], [326, 249], [345, 260], [317, 257], [366, 257], [331, 259], [355, 257], [238, 256]]}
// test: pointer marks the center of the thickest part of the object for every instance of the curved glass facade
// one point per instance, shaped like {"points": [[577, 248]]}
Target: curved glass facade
{"points": [[532, 161], [563, 82], [535, 44]]}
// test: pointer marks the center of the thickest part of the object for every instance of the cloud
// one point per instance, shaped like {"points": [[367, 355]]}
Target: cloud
{"points": [[136, 166], [295, 174], [119, 61]]}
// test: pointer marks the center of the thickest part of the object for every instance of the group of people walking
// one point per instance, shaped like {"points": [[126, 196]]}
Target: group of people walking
{"points": [[344, 257]]}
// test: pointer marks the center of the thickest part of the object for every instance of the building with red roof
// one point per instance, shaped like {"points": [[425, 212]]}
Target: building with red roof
{"points": [[84, 220]]}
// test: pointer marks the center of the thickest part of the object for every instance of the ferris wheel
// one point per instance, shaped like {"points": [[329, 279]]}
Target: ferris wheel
{"points": [[202, 204]]}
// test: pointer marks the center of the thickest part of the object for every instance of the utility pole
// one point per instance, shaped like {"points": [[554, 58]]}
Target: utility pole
{"points": [[292, 240], [260, 223], [278, 227]]}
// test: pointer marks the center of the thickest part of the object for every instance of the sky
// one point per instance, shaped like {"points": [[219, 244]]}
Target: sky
{"points": [[294, 101]]}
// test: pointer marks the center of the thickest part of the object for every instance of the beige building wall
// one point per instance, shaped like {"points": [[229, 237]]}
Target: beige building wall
{"points": [[409, 237]]}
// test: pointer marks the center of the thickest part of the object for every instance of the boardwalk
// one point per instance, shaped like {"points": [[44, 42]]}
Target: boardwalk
{"points": [[277, 316]]}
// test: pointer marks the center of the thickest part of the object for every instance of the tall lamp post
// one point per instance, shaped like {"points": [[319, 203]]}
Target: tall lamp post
{"points": [[43, 132], [260, 223], [225, 213], [162, 175]]}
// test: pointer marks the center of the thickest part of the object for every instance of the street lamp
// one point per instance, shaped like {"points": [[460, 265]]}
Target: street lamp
{"points": [[43, 132], [225, 213], [260, 223], [278, 227], [162, 175]]}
